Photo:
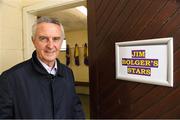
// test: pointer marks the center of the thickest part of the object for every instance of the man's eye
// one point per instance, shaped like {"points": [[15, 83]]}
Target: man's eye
{"points": [[56, 38], [43, 38]]}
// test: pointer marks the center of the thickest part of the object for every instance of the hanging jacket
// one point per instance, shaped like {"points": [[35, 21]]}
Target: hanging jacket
{"points": [[28, 91]]}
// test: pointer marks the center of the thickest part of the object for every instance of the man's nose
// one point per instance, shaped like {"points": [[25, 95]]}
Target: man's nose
{"points": [[50, 43]]}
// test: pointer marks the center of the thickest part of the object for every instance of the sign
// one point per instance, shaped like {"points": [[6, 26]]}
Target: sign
{"points": [[146, 61]]}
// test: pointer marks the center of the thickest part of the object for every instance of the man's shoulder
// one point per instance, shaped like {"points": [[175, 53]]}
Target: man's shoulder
{"points": [[64, 70], [18, 67], [65, 67]]}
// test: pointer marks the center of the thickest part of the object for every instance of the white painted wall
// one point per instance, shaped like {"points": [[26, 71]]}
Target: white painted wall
{"points": [[81, 73], [26, 3], [30, 2], [11, 44]]}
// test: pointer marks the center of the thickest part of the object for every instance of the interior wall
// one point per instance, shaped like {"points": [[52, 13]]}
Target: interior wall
{"points": [[81, 72], [11, 49], [129, 20], [30, 2]]}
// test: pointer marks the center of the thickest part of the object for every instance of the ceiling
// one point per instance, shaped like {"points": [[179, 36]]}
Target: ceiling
{"points": [[72, 19]]}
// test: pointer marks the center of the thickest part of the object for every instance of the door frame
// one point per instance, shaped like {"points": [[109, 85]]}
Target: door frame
{"points": [[29, 16]]}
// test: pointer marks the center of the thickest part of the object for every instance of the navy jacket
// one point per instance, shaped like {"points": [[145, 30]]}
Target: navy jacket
{"points": [[28, 91]]}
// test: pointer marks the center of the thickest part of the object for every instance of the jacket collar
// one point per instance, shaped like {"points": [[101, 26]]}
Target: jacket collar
{"points": [[39, 67]]}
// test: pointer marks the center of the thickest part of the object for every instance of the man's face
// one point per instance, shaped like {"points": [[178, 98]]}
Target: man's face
{"points": [[47, 42]]}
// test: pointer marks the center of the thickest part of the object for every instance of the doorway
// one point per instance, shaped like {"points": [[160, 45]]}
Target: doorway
{"points": [[75, 26]]}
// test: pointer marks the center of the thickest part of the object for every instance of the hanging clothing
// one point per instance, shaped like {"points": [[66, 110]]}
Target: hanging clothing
{"points": [[67, 55], [76, 55], [86, 54]]}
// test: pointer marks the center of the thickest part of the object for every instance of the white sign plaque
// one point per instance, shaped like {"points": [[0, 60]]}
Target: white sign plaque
{"points": [[147, 61]]}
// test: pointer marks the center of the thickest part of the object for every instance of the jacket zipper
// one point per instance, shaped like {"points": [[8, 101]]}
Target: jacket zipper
{"points": [[52, 96]]}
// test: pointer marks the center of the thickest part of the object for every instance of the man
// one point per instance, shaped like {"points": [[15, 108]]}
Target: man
{"points": [[40, 87]]}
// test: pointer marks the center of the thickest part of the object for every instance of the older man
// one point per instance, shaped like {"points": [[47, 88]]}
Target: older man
{"points": [[40, 87]]}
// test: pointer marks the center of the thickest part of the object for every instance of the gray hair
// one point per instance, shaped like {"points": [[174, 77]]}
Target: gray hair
{"points": [[47, 20]]}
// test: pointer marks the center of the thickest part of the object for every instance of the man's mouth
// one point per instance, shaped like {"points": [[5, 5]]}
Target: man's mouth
{"points": [[50, 52]]}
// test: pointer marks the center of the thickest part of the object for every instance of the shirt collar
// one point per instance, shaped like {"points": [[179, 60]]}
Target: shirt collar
{"points": [[49, 69]]}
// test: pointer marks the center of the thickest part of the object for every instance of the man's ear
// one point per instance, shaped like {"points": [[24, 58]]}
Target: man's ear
{"points": [[32, 38]]}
